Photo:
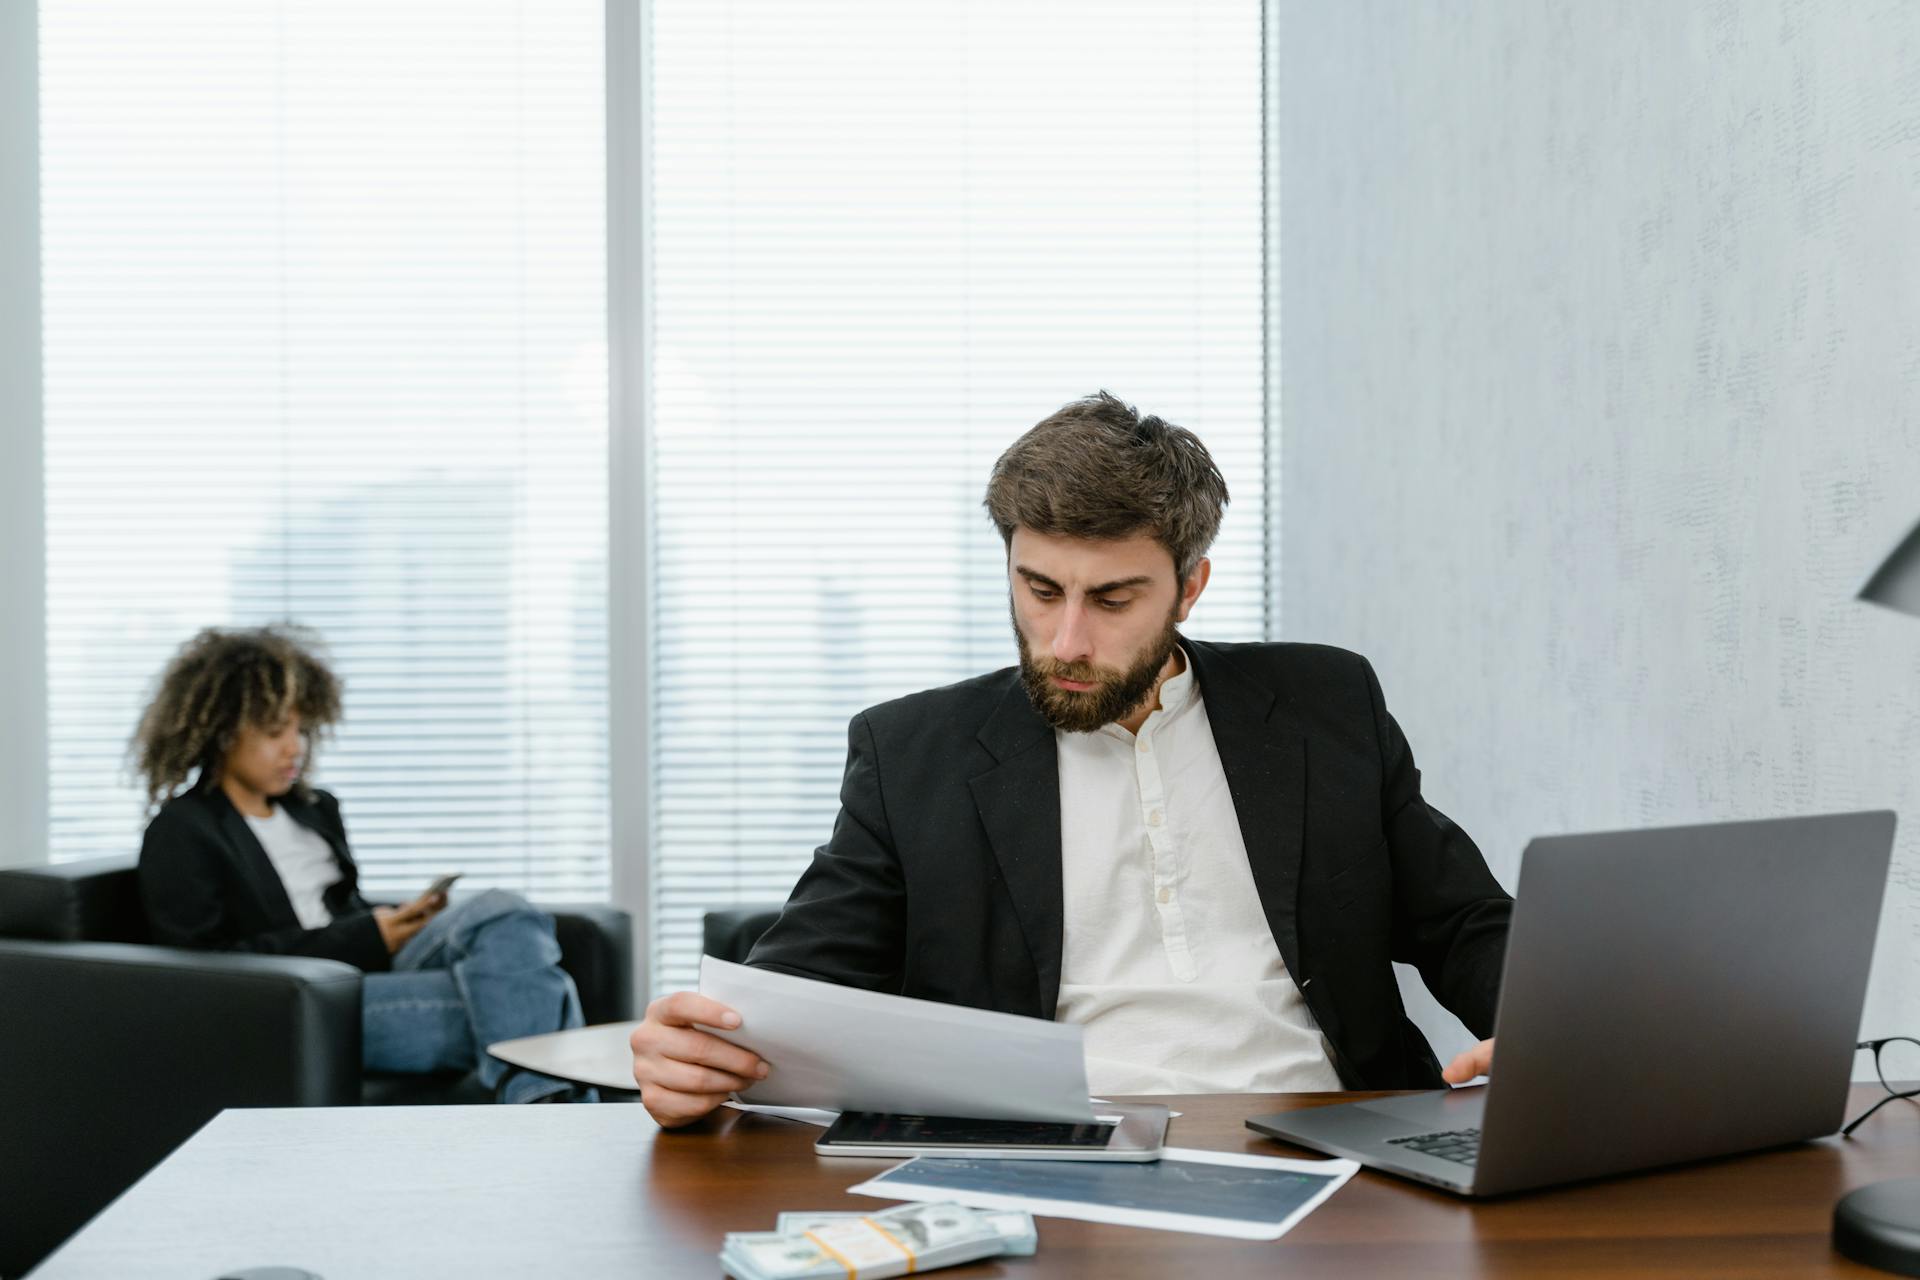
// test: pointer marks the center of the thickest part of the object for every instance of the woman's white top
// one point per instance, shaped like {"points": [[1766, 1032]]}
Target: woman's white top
{"points": [[304, 860]]}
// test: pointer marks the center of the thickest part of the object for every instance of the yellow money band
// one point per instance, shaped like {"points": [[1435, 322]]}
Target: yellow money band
{"points": [[913, 1263], [836, 1255]]}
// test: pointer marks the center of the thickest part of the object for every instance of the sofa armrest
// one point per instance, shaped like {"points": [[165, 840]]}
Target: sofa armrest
{"points": [[596, 947], [112, 1054]]}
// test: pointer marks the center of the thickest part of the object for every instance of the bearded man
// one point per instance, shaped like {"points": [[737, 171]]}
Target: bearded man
{"points": [[1207, 855]]}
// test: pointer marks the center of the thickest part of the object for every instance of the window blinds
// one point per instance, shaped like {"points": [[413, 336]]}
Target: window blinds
{"points": [[325, 340], [885, 240]]}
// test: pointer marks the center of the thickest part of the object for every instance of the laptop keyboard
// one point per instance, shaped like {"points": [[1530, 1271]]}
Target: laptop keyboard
{"points": [[1459, 1145]]}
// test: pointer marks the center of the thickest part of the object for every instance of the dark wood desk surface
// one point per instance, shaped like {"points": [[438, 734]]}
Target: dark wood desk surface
{"points": [[598, 1191]]}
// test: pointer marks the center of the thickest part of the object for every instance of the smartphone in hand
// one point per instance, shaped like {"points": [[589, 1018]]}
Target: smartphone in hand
{"points": [[440, 886]]}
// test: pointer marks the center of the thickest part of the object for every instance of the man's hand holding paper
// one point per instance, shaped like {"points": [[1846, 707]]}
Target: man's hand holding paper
{"points": [[844, 1049], [684, 1072]]}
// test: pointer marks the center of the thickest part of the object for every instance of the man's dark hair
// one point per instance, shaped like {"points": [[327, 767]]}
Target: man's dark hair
{"points": [[219, 682], [1098, 469]]}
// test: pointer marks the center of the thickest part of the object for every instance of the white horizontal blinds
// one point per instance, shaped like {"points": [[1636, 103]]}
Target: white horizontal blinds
{"points": [[887, 239], [325, 340]]}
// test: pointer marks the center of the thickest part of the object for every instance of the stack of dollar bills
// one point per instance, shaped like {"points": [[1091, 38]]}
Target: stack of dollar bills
{"points": [[893, 1242]]}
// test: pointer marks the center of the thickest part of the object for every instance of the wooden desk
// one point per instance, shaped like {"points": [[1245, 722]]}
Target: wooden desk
{"points": [[598, 1191]]}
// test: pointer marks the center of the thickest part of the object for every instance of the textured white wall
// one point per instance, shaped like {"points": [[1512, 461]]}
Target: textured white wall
{"points": [[1601, 398]]}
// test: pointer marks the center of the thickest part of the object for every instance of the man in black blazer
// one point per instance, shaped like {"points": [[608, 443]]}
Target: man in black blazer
{"points": [[1225, 902]]}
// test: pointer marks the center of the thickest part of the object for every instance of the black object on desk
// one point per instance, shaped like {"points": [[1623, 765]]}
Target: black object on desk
{"points": [[1124, 1132], [1875, 1225]]}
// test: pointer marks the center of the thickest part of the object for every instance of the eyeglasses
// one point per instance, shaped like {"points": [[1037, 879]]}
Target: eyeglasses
{"points": [[1910, 1046]]}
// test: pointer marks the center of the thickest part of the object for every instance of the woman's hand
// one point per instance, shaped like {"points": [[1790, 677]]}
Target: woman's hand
{"points": [[399, 924]]}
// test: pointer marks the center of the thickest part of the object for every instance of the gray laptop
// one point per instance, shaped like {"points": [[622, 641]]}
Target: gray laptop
{"points": [[1668, 995]]}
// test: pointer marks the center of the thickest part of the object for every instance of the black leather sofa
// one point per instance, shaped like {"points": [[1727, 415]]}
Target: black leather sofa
{"points": [[729, 933], [114, 1051]]}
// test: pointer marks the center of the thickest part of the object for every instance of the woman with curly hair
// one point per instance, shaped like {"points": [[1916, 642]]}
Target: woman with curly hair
{"points": [[242, 855]]}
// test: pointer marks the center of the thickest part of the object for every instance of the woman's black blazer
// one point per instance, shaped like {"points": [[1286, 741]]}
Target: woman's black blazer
{"points": [[207, 883]]}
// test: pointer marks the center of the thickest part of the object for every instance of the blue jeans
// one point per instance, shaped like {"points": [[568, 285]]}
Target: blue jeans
{"points": [[485, 969]]}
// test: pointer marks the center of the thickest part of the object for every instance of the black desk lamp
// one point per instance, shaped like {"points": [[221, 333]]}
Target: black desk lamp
{"points": [[1896, 584], [1879, 1224]]}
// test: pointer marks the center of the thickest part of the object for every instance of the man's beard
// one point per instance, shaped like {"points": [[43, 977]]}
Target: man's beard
{"points": [[1114, 693]]}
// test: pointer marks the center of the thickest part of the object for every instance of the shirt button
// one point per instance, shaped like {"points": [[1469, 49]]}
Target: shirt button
{"points": [[1144, 746], [1166, 894], [1153, 818]]}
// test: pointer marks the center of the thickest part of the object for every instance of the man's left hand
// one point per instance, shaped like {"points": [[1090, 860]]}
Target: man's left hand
{"points": [[1477, 1061]]}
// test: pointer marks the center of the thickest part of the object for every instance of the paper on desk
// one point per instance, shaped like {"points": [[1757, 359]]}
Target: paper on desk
{"points": [[844, 1049], [805, 1115], [1217, 1193]]}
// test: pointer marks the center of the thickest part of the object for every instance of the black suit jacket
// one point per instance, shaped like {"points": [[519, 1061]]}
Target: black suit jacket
{"points": [[207, 883], [942, 876]]}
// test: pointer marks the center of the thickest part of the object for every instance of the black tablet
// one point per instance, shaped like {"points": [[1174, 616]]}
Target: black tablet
{"points": [[1119, 1132]]}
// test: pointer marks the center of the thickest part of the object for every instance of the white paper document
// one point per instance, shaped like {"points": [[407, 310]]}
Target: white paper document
{"points": [[804, 1115], [843, 1049], [1217, 1193]]}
